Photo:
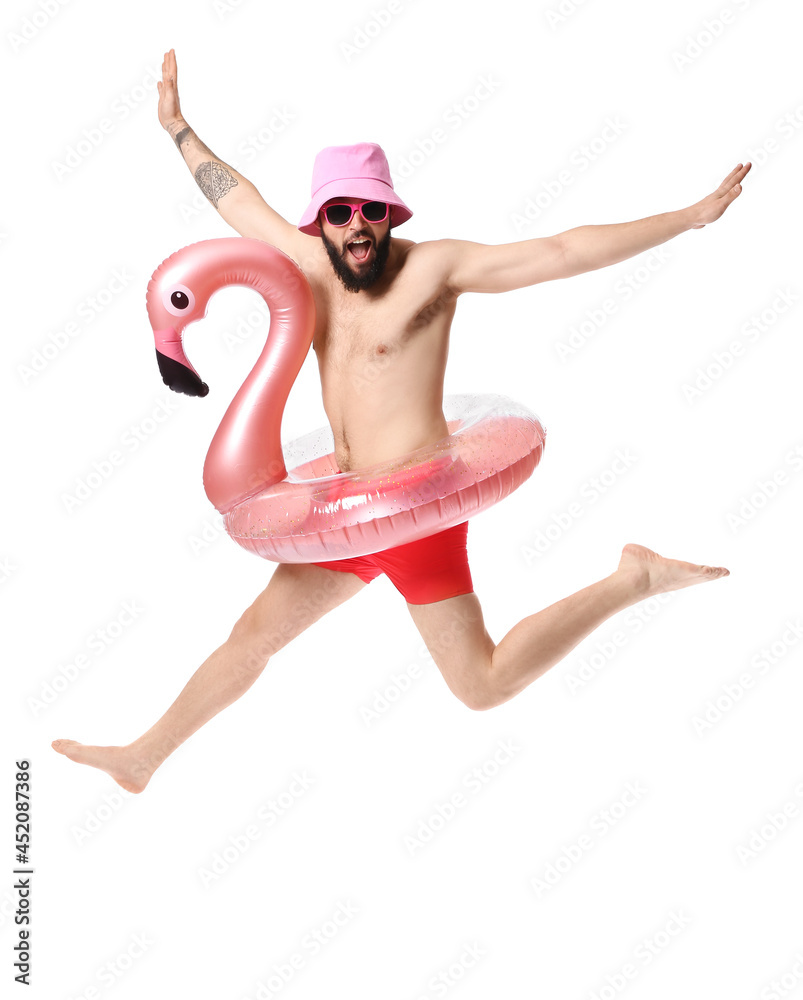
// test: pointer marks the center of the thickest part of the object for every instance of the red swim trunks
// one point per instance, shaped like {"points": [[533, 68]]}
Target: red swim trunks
{"points": [[428, 570]]}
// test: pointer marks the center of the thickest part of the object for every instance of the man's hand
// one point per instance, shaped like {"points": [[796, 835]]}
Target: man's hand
{"points": [[710, 208], [169, 108]]}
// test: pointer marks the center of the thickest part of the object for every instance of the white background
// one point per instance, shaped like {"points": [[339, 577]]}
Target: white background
{"points": [[115, 871]]}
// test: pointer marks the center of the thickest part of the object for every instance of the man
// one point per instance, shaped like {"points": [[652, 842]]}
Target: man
{"points": [[384, 310]]}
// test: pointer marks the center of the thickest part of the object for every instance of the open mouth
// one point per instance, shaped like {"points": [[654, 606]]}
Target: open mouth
{"points": [[359, 249]]}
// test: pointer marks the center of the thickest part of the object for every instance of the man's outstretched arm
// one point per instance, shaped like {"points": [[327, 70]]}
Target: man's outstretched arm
{"points": [[237, 200], [590, 247], [474, 267]]}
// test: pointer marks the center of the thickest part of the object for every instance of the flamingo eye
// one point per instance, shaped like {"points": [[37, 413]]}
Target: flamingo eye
{"points": [[179, 300]]}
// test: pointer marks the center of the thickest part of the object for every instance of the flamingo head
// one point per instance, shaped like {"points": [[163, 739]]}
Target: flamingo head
{"points": [[178, 295]]}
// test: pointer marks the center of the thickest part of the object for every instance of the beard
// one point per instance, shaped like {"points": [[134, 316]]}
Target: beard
{"points": [[357, 282]]}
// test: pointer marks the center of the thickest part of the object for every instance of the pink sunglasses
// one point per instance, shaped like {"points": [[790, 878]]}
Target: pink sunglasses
{"points": [[342, 213]]}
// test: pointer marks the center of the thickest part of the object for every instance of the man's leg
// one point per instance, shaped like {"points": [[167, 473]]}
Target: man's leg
{"points": [[295, 598], [484, 675]]}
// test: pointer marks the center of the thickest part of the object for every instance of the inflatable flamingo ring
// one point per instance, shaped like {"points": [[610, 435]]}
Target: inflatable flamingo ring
{"points": [[315, 512]]}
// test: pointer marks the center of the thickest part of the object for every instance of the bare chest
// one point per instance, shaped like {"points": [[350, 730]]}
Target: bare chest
{"points": [[380, 331], [381, 361], [346, 338]]}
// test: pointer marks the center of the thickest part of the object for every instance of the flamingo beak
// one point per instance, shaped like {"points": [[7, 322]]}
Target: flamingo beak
{"points": [[177, 372]]}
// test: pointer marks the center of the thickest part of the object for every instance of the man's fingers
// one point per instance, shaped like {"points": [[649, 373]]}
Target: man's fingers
{"points": [[729, 181], [169, 67], [736, 175]]}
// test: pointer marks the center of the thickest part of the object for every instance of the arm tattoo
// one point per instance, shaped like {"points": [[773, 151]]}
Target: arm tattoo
{"points": [[185, 135], [182, 135], [214, 180]]}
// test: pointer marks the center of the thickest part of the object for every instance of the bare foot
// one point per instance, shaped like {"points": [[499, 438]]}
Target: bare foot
{"points": [[657, 575], [120, 763]]}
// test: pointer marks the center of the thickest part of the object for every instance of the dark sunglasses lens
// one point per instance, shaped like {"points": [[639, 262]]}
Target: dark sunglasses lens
{"points": [[374, 211], [338, 215]]}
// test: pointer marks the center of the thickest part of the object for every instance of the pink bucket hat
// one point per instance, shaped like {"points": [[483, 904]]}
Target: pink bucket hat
{"points": [[359, 171]]}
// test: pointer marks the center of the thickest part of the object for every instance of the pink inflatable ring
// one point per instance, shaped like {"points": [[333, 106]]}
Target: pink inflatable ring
{"points": [[315, 512]]}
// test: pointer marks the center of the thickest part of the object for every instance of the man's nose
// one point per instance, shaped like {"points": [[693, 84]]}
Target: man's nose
{"points": [[358, 223]]}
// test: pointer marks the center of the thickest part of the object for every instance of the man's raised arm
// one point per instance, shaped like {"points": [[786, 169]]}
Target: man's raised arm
{"points": [[234, 196], [590, 247], [474, 267]]}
